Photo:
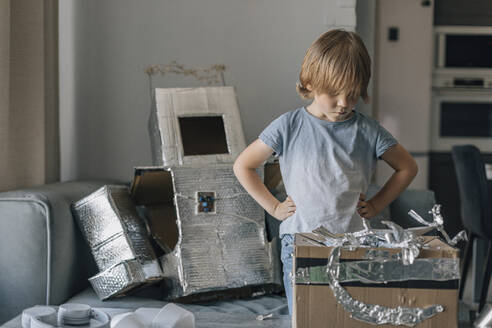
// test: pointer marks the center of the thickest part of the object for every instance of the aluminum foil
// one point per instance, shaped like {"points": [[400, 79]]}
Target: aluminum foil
{"points": [[372, 313], [383, 271], [171, 103], [408, 240], [382, 267], [395, 237], [118, 240], [124, 276], [221, 250], [438, 224]]}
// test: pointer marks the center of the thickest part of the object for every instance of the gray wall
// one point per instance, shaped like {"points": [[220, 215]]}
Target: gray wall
{"points": [[106, 45], [366, 22]]}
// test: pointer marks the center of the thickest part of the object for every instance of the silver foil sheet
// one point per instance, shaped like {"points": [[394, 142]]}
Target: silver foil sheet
{"points": [[223, 249], [116, 234], [168, 104], [372, 313], [383, 271], [124, 276]]}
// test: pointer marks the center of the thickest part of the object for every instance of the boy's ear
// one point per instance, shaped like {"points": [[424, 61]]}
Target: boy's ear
{"points": [[308, 86]]}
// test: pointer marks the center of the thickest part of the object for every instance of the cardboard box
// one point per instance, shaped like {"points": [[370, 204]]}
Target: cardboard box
{"points": [[118, 240], [315, 306], [195, 126], [212, 233]]}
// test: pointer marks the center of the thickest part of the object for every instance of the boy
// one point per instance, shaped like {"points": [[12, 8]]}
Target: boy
{"points": [[327, 150]]}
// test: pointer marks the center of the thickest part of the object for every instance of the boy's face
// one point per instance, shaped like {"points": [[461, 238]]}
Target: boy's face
{"points": [[338, 106]]}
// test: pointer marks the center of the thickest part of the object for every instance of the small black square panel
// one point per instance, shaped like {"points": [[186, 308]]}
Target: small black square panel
{"points": [[393, 33], [205, 202], [203, 135]]}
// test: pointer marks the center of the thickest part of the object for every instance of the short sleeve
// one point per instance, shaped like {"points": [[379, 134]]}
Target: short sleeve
{"points": [[273, 135], [384, 141]]}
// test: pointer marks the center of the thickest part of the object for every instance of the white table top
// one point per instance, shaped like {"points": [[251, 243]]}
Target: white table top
{"points": [[205, 319]]}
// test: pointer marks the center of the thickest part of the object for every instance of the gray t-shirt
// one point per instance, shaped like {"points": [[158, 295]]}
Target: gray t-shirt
{"points": [[325, 166]]}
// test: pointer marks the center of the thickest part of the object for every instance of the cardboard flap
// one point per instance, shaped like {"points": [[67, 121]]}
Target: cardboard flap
{"points": [[152, 186]]}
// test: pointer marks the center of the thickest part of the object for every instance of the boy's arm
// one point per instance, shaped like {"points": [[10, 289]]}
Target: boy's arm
{"points": [[405, 171], [245, 170]]}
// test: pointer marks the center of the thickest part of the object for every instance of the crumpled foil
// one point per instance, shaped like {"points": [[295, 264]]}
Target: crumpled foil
{"points": [[118, 240], [438, 224], [221, 250], [372, 313], [396, 237], [383, 267]]}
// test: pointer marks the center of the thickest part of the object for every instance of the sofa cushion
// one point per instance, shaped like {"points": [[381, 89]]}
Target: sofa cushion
{"points": [[44, 258], [275, 304]]}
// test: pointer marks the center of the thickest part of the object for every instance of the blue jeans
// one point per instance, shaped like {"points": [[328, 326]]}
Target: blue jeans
{"points": [[286, 255]]}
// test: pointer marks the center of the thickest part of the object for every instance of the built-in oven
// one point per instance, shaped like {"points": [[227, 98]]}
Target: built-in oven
{"points": [[462, 57], [461, 117], [462, 88]]}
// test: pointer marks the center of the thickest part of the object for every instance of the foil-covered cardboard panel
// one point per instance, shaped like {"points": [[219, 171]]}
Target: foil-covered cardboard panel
{"points": [[221, 245], [169, 136], [97, 210], [241, 256], [117, 280], [113, 251], [121, 278], [118, 240], [111, 225]]}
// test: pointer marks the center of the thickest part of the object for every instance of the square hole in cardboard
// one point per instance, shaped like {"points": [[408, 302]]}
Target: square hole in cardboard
{"points": [[203, 135]]}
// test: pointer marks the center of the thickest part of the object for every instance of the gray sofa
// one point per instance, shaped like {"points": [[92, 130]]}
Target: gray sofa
{"points": [[44, 259]]}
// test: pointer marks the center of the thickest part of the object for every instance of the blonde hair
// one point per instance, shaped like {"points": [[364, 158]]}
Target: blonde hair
{"points": [[336, 62]]}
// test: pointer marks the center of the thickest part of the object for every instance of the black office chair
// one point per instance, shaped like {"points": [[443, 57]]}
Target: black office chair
{"points": [[475, 209]]}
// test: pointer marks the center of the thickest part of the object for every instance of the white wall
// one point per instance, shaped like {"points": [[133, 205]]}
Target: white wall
{"points": [[404, 81], [106, 45]]}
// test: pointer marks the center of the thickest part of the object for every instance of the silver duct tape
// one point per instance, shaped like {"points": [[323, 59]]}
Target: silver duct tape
{"points": [[438, 269], [371, 313], [171, 103], [124, 276], [111, 225], [221, 250]]}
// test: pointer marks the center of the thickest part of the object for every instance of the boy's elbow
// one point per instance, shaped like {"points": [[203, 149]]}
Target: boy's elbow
{"points": [[414, 169], [235, 167]]}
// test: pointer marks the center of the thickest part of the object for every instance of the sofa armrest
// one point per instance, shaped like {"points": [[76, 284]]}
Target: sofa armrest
{"points": [[44, 259]]}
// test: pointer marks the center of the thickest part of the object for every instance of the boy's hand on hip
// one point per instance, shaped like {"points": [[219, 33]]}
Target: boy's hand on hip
{"points": [[365, 209], [285, 209]]}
